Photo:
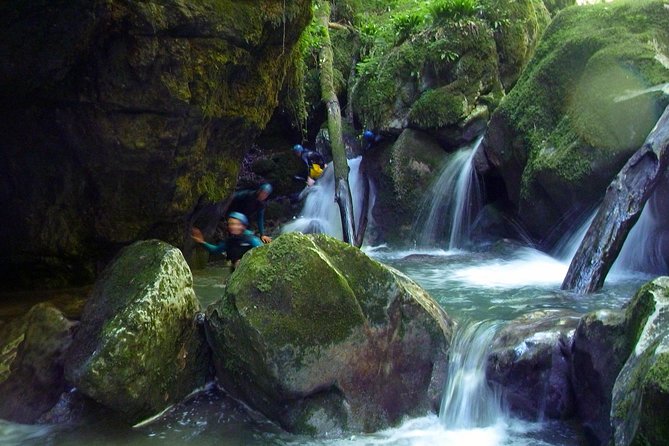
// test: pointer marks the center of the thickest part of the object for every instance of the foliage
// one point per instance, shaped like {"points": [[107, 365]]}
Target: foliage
{"points": [[443, 11], [406, 24]]}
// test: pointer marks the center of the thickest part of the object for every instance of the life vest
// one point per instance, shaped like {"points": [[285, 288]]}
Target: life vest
{"points": [[315, 171]]}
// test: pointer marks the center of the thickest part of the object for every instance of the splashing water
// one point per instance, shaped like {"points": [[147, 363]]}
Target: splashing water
{"points": [[468, 402], [320, 213], [453, 202]]}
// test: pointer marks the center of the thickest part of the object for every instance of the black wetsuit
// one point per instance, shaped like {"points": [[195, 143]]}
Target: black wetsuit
{"points": [[246, 202], [234, 246]]}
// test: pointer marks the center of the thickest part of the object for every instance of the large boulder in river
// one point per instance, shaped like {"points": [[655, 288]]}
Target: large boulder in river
{"points": [[322, 339], [31, 363], [530, 361], [585, 103], [640, 406], [599, 350], [117, 116], [138, 348], [606, 342]]}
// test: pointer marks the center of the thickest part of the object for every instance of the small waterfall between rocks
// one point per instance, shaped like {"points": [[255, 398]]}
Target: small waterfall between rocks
{"points": [[320, 212], [448, 211], [468, 402]]}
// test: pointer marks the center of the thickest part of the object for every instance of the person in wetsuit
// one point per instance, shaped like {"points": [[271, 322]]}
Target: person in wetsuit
{"points": [[314, 164], [236, 244], [252, 203], [370, 139]]}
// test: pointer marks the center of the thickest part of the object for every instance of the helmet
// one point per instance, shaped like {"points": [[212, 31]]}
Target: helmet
{"points": [[298, 148], [265, 187], [239, 216], [368, 134]]}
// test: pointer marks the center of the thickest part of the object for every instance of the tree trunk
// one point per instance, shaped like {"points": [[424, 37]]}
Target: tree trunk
{"points": [[364, 208], [328, 96], [624, 200]]}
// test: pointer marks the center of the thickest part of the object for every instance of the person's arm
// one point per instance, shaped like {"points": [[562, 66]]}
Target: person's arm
{"points": [[261, 226], [196, 235], [215, 249], [252, 239]]}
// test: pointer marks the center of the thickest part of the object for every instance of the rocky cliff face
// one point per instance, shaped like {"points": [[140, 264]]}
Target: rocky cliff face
{"points": [[587, 100], [117, 116]]}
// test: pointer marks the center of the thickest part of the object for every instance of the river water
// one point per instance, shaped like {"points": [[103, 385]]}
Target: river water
{"points": [[487, 288]]}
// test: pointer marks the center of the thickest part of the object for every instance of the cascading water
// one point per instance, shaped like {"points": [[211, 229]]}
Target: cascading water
{"points": [[320, 213], [645, 246], [468, 402], [452, 204]]}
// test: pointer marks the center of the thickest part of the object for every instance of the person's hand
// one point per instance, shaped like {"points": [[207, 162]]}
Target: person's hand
{"points": [[265, 238], [310, 181], [196, 235]]}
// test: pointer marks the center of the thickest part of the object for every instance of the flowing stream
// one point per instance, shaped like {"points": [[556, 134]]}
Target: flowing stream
{"points": [[480, 290]]}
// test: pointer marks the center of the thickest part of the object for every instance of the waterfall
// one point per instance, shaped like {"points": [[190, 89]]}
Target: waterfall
{"points": [[566, 247], [452, 202], [645, 247], [468, 402], [320, 212]]}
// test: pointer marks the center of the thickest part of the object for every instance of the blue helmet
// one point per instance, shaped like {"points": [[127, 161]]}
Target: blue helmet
{"points": [[239, 216], [298, 148], [265, 187], [368, 135]]}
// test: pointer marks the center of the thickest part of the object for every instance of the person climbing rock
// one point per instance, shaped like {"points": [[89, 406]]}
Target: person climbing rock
{"points": [[252, 203], [238, 241], [369, 139], [314, 164]]}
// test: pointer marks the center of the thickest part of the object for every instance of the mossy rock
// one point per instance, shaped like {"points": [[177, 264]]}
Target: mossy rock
{"points": [[31, 363], [640, 405], [321, 338], [138, 348], [403, 172], [114, 102], [568, 121], [474, 57]]}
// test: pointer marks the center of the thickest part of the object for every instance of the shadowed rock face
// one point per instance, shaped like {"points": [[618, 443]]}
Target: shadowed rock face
{"points": [[117, 116], [31, 363], [530, 361], [322, 339]]}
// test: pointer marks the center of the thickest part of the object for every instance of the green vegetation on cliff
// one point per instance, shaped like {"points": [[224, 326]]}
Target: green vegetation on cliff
{"points": [[574, 99]]}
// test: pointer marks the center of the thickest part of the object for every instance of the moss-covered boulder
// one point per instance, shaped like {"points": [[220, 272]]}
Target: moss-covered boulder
{"points": [[530, 361], [607, 347], [31, 363], [587, 100], [402, 171], [322, 339], [640, 406], [599, 350], [119, 115], [444, 73], [138, 348]]}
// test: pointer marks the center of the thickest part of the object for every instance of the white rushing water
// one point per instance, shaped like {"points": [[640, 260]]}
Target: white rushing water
{"points": [[468, 402], [449, 208], [320, 213]]}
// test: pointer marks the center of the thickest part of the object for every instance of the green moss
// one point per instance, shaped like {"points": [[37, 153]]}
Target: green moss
{"points": [[302, 300], [436, 108], [658, 375], [567, 103]]}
